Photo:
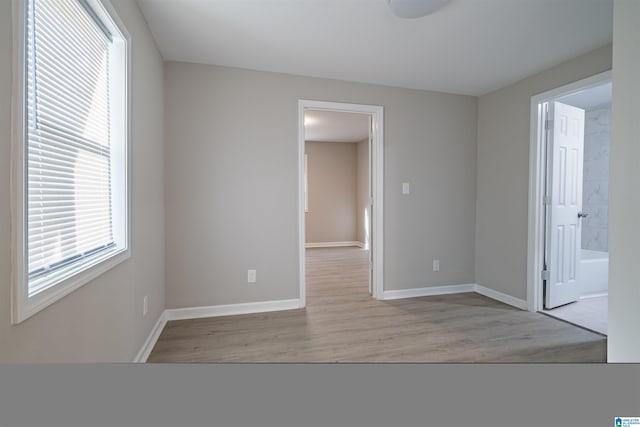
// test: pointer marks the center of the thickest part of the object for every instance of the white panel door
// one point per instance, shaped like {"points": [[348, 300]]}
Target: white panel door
{"points": [[566, 153]]}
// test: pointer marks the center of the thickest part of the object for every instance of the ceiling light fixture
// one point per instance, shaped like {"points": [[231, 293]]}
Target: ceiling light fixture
{"points": [[414, 8]]}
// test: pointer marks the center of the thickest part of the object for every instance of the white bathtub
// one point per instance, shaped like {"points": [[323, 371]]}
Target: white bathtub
{"points": [[594, 271]]}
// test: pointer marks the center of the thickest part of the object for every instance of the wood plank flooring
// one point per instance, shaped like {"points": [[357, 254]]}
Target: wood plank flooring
{"points": [[342, 323]]}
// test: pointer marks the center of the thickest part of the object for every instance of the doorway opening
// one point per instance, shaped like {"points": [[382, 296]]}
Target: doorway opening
{"points": [[340, 190], [568, 203]]}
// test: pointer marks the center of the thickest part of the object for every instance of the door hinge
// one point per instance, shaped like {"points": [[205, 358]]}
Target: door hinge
{"points": [[371, 201], [548, 124], [544, 275], [546, 200]]}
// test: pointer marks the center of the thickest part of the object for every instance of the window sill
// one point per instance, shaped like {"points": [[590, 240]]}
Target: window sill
{"points": [[27, 306]]}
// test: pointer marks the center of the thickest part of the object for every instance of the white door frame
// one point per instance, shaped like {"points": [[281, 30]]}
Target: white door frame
{"points": [[537, 175], [377, 187]]}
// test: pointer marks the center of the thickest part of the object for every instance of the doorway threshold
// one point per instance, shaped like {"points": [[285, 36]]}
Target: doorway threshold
{"points": [[590, 314]]}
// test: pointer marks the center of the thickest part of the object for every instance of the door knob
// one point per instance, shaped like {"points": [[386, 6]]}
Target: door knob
{"points": [[582, 214]]}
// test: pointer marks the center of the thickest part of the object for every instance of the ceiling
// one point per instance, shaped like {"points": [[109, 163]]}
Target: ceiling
{"points": [[335, 126], [469, 47]]}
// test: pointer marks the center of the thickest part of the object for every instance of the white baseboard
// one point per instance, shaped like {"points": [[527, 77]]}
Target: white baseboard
{"points": [[333, 245], [425, 292], [292, 304], [231, 309], [499, 296], [455, 289], [209, 311], [595, 295], [151, 340]]}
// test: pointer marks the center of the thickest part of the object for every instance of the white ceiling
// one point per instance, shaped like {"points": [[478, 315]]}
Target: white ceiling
{"points": [[335, 126], [468, 47]]}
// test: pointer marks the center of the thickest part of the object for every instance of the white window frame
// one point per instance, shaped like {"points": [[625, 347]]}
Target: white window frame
{"points": [[23, 304]]}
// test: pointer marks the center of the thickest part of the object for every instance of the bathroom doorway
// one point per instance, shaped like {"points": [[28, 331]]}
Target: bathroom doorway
{"points": [[574, 134]]}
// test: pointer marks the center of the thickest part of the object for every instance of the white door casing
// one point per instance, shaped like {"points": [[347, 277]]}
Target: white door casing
{"points": [[537, 211], [566, 153], [368, 219], [376, 215]]}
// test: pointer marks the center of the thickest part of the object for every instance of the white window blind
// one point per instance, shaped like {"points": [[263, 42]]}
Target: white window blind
{"points": [[69, 147]]}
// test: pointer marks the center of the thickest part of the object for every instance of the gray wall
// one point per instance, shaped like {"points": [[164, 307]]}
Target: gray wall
{"points": [[232, 179], [624, 233], [102, 321], [595, 178], [362, 193], [332, 186], [503, 177]]}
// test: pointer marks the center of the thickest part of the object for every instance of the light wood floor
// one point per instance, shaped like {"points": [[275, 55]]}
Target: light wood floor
{"points": [[341, 323]]}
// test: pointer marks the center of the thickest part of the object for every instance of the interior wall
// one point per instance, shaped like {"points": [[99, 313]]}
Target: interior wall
{"points": [[363, 214], [102, 321], [332, 191], [595, 179], [502, 172], [232, 182], [623, 343]]}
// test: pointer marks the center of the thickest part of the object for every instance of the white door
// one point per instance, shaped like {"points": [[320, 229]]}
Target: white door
{"points": [[566, 152]]}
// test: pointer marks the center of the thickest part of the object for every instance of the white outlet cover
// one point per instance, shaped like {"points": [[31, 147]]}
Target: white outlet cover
{"points": [[251, 276], [405, 188]]}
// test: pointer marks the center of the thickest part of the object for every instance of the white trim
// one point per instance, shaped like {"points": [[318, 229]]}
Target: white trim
{"points": [[152, 339], [426, 292], [456, 289], [306, 184], [595, 295], [535, 234], [376, 150], [281, 305], [17, 181], [377, 184], [231, 309], [208, 311], [302, 207], [333, 244], [499, 296], [27, 306]]}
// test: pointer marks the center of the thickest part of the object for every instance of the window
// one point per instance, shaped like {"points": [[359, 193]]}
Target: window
{"points": [[72, 161]]}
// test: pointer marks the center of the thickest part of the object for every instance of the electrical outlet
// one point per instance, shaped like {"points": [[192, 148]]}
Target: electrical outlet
{"points": [[251, 276], [436, 265], [145, 305]]}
